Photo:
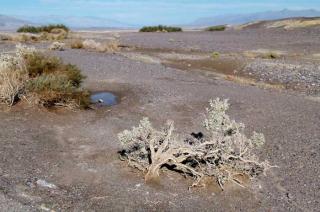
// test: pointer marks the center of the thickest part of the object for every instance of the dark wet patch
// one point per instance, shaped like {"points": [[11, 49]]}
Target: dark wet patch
{"points": [[222, 65], [102, 99]]}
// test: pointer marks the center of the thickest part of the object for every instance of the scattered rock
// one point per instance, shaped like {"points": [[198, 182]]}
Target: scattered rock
{"points": [[43, 183]]}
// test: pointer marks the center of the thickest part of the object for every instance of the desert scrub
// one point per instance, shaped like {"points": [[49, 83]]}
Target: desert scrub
{"points": [[270, 55], [160, 28], [76, 44], [57, 46], [13, 75], [107, 46], [216, 28], [40, 79], [47, 28], [48, 32], [215, 55], [223, 153]]}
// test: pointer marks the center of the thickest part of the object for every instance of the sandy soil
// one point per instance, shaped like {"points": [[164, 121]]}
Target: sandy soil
{"points": [[77, 151]]}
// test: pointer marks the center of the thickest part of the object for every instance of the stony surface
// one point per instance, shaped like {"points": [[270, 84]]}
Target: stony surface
{"points": [[299, 75], [77, 151], [301, 40]]}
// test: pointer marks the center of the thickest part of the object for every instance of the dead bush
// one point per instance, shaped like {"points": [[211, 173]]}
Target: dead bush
{"points": [[91, 44], [109, 46], [25, 37], [13, 75], [222, 153], [76, 44], [56, 35], [5, 37], [57, 46]]}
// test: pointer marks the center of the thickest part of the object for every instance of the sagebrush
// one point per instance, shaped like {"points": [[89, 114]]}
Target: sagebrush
{"points": [[222, 153], [57, 46]]}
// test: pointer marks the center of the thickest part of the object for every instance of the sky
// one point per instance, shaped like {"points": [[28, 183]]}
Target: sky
{"points": [[148, 11]]}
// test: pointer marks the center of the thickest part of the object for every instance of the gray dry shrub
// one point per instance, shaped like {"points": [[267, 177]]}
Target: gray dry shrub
{"points": [[13, 74], [57, 46], [107, 46], [223, 153]]}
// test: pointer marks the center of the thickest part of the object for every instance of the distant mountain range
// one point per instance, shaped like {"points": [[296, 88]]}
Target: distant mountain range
{"points": [[80, 22], [8, 22], [245, 18]]}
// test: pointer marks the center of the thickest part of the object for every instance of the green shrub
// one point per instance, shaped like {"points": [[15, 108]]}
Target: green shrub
{"points": [[46, 28], [53, 89], [44, 79], [38, 64], [50, 28], [215, 55], [216, 28], [30, 29], [160, 28]]}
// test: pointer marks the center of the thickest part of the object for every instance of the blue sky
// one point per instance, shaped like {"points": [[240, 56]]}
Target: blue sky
{"points": [[148, 11]]}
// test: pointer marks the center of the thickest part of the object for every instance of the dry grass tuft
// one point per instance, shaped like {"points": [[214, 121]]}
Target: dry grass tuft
{"points": [[109, 46], [60, 34], [265, 54], [248, 81], [77, 44], [44, 36], [222, 153]]}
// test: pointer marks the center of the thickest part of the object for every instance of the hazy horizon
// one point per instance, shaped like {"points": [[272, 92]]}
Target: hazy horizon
{"points": [[146, 12]]}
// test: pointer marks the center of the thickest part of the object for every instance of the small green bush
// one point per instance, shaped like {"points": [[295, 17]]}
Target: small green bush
{"points": [[30, 29], [43, 79], [215, 55], [38, 64], [160, 28], [53, 89], [216, 28], [46, 28]]}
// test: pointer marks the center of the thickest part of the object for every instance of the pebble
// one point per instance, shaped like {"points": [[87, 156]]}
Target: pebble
{"points": [[44, 183]]}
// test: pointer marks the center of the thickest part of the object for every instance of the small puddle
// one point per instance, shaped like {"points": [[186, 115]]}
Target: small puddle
{"points": [[101, 99]]}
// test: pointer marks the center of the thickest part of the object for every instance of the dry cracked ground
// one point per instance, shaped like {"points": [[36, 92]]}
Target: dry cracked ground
{"points": [[67, 161]]}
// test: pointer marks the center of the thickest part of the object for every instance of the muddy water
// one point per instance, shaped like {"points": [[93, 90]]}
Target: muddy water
{"points": [[223, 66], [103, 99]]}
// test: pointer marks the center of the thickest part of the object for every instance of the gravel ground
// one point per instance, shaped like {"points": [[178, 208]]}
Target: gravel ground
{"points": [[299, 75], [301, 40], [77, 151]]}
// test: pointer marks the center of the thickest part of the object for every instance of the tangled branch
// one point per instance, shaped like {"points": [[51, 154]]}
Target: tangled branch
{"points": [[222, 152]]}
